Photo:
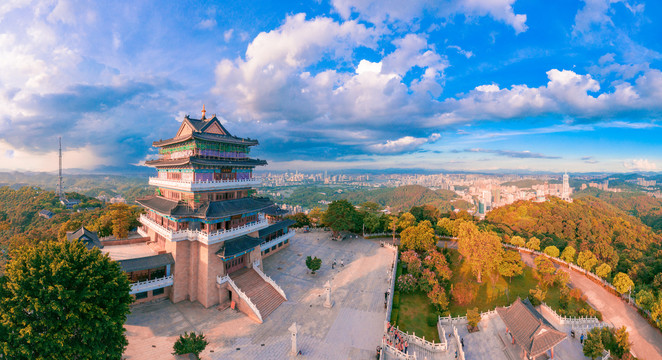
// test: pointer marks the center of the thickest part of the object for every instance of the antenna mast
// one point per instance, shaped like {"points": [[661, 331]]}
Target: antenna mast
{"points": [[59, 186]]}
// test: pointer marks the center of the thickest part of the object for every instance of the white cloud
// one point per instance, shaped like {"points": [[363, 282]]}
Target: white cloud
{"points": [[640, 165], [465, 53], [403, 144], [227, 35], [393, 11], [86, 157], [367, 66], [207, 24]]}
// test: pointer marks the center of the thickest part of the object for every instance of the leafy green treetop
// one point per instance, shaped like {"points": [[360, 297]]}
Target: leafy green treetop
{"points": [[482, 249], [313, 264], [419, 238], [593, 346], [552, 251], [518, 241], [603, 270], [568, 254], [622, 283], [340, 216], [300, 218], [511, 264], [190, 343], [473, 317], [406, 220], [60, 298], [586, 260], [533, 243]]}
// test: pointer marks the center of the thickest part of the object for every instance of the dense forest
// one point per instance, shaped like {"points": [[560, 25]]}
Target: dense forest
{"points": [[130, 187], [20, 223], [398, 199], [647, 208], [615, 237]]}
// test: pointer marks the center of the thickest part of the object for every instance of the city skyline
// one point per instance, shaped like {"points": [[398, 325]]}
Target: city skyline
{"points": [[457, 86]]}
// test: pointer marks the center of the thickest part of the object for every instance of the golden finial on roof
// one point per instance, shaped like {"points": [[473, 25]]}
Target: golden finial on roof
{"points": [[203, 111]]}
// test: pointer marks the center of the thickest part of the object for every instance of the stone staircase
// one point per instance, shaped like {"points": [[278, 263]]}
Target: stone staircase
{"points": [[261, 293]]}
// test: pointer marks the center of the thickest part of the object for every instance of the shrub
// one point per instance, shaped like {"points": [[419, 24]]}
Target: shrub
{"points": [[313, 264], [473, 317], [427, 280], [406, 283], [190, 343]]}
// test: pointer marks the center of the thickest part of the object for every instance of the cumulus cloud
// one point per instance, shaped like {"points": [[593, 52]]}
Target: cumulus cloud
{"points": [[465, 53], [392, 11], [403, 144], [566, 93], [513, 154], [640, 165]]}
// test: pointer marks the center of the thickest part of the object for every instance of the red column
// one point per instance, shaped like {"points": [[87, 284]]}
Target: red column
{"points": [[552, 353]]}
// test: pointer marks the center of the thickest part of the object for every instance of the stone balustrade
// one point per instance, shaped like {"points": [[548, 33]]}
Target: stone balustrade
{"points": [[277, 240], [269, 280], [201, 236], [223, 279], [153, 284], [205, 185]]}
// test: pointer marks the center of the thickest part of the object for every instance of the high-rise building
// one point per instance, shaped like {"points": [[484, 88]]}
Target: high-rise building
{"points": [[565, 195], [205, 216]]}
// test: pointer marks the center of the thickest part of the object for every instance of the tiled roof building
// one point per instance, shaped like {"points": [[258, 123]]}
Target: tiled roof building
{"points": [[205, 217], [529, 329]]}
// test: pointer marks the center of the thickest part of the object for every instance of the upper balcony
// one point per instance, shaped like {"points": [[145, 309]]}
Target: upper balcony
{"points": [[202, 236], [205, 185]]}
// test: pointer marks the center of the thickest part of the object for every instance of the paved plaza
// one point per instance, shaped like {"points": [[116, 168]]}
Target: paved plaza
{"points": [[351, 329]]}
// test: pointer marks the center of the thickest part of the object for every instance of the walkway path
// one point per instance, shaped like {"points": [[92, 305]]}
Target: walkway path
{"points": [[646, 340]]}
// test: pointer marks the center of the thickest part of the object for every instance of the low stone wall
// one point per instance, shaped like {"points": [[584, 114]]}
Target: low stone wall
{"points": [[111, 241]]}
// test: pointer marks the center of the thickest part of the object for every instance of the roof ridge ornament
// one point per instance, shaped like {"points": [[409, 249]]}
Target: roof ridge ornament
{"points": [[203, 112]]}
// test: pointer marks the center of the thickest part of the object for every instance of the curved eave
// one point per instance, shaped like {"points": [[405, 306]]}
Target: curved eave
{"points": [[205, 162], [207, 136]]}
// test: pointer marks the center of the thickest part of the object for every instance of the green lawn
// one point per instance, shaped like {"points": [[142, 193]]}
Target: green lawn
{"points": [[413, 313]]}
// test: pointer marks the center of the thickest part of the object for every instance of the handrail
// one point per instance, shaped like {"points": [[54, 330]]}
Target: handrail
{"points": [[197, 235], [192, 185], [270, 281], [241, 294], [151, 284], [277, 240]]}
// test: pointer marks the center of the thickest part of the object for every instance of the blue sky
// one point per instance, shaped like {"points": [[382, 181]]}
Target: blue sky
{"points": [[452, 84]]}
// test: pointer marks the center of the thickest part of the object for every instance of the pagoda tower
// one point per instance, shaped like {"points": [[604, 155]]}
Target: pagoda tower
{"points": [[204, 213]]}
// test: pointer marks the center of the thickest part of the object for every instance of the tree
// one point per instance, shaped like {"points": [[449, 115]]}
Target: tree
{"points": [[425, 212], [60, 298], [413, 262], [340, 216], [419, 237], [124, 218], [300, 218], [438, 263], [533, 243], [372, 223], [593, 346], [406, 220], [545, 270], [370, 207], [552, 251], [656, 311], [621, 342], [511, 265], [603, 270], [406, 283], [438, 297], [537, 295], [445, 226], [518, 241], [315, 216], [622, 283], [586, 260], [427, 281], [190, 343], [568, 254], [473, 317], [464, 294], [645, 299], [313, 264], [482, 250]]}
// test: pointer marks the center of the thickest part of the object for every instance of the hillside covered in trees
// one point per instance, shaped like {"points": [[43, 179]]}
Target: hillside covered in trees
{"points": [[647, 208], [615, 237], [398, 199], [20, 223]]}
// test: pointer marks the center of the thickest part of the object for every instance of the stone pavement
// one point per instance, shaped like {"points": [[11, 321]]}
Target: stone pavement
{"points": [[352, 329], [646, 340]]}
